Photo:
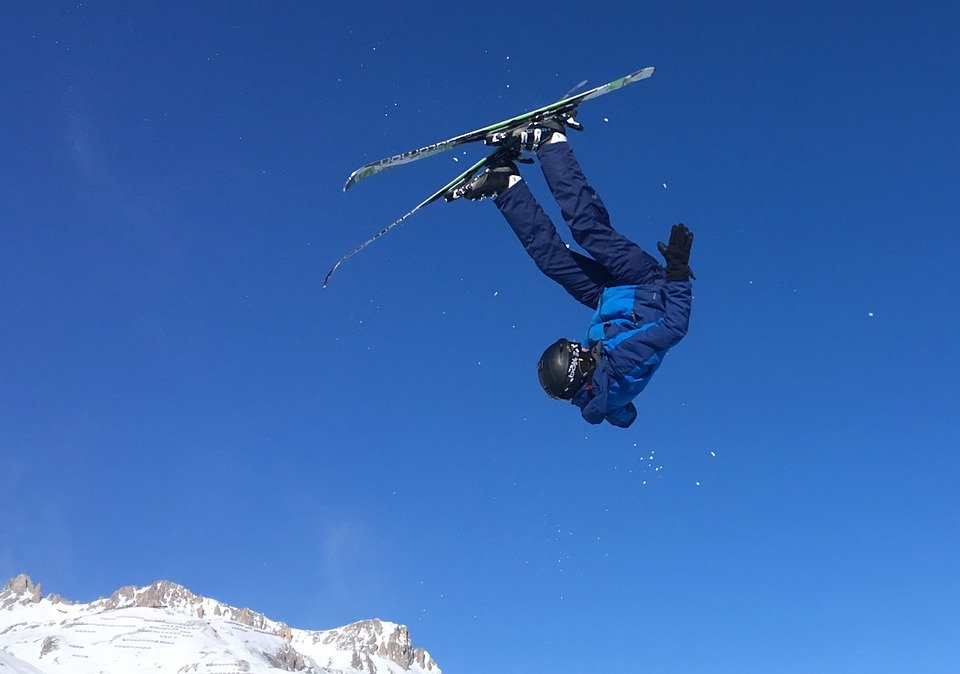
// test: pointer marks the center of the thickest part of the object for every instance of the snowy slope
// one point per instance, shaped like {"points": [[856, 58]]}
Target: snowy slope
{"points": [[166, 628], [12, 665]]}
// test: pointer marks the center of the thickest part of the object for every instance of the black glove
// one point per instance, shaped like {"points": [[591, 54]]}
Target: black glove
{"points": [[677, 253]]}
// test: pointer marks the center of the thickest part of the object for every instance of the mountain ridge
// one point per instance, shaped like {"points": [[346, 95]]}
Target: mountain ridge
{"points": [[152, 627]]}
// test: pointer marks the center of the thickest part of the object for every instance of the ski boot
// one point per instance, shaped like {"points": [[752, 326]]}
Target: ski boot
{"points": [[534, 134], [491, 183]]}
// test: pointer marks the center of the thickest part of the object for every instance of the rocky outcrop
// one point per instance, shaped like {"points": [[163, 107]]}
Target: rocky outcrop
{"points": [[20, 590], [164, 594], [287, 659], [49, 644], [374, 637]]}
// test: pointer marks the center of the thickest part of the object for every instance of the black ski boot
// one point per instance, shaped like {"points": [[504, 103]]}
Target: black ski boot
{"points": [[539, 133], [531, 136], [491, 183]]}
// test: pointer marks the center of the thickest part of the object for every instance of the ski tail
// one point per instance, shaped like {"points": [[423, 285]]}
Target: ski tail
{"points": [[461, 179], [375, 167]]}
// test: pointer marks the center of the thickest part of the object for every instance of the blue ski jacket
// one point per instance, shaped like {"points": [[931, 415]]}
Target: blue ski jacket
{"points": [[634, 327], [639, 315]]}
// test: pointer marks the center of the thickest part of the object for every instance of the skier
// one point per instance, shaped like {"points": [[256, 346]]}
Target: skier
{"points": [[641, 308]]}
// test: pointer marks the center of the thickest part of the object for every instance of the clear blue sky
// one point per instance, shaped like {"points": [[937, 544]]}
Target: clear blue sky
{"points": [[179, 399]]}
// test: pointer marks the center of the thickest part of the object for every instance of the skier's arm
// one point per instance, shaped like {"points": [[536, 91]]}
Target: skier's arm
{"points": [[678, 294], [592, 402], [678, 298]]}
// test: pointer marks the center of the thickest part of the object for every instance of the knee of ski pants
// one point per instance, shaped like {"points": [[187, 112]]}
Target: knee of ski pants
{"points": [[637, 266]]}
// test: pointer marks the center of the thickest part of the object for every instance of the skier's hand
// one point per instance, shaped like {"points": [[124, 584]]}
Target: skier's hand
{"points": [[677, 253]]}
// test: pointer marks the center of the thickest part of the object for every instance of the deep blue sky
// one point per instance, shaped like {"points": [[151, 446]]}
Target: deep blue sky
{"points": [[179, 398]]}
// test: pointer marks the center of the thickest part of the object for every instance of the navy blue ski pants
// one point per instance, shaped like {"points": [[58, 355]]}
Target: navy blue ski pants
{"points": [[615, 259]]}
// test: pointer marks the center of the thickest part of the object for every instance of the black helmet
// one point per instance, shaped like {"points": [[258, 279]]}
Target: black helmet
{"points": [[564, 367]]}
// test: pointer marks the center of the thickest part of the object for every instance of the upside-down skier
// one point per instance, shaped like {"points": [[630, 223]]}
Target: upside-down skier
{"points": [[642, 309]]}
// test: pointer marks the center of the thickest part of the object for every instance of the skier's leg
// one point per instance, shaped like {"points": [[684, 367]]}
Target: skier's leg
{"points": [[580, 276], [589, 221]]}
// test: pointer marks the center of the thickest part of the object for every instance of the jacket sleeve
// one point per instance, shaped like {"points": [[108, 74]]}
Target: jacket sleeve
{"points": [[646, 345], [592, 402], [592, 399], [670, 329], [666, 332]]}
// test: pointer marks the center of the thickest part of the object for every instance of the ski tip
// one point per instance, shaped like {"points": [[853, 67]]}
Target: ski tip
{"points": [[358, 175], [326, 279]]}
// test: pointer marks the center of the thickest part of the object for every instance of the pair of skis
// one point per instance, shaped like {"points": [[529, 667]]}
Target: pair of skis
{"points": [[491, 134]]}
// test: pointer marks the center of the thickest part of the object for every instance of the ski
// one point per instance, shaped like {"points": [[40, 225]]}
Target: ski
{"points": [[500, 154], [567, 103]]}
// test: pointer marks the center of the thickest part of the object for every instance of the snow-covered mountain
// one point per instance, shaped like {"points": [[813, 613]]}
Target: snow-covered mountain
{"points": [[167, 629]]}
